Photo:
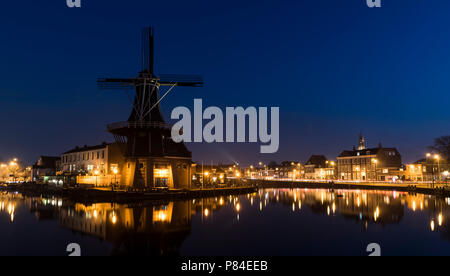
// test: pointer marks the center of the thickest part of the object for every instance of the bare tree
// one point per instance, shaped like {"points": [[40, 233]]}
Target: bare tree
{"points": [[442, 145]]}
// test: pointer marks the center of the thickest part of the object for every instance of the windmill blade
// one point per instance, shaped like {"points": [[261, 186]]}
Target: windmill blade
{"points": [[115, 83], [148, 49], [181, 80]]}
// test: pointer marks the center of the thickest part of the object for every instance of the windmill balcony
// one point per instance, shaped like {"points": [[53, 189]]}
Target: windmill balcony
{"points": [[137, 125]]}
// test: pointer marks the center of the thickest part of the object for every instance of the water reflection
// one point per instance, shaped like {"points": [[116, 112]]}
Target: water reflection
{"points": [[162, 228], [367, 207]]}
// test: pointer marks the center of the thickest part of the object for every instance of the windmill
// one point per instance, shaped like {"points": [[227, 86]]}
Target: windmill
{"points": [[152, 159]]}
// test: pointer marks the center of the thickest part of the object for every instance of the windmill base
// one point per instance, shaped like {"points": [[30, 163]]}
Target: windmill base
{"points": [[157, 173]]}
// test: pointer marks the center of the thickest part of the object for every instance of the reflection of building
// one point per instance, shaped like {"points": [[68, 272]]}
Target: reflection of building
{"points": [[149, 230], [374, 164], [377, 207]]}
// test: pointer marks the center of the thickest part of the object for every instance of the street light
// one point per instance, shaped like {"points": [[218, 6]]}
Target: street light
{"points": [[432, 169], [115, 172], [438, 158]]}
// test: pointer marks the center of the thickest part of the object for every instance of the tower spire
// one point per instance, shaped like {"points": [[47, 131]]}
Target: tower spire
{"points": [[362, 142]]}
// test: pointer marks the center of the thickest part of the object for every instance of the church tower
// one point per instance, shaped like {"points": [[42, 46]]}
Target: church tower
{"points": [[362, 142]]}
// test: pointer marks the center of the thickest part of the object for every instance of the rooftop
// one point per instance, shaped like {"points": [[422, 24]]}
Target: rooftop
{"points": [[88, 148], [365, 152]]}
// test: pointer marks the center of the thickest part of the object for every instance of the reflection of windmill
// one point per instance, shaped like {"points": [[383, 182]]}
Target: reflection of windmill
{"points": [[153, 159]]}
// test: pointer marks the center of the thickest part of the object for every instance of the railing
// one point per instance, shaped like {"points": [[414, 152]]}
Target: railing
{"points": [[120, 125]]}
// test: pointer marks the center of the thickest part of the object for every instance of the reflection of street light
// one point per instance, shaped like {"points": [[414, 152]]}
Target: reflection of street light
{"points": [[114, 218]]}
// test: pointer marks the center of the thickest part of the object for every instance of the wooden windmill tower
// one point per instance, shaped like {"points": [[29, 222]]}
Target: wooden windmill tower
{"points": [[152, 159]]}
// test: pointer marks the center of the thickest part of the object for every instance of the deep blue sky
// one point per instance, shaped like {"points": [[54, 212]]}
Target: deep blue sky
{"points": [[335, 68]]}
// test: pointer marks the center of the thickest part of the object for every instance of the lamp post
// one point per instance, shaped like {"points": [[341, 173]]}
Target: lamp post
{"points": [[432, 169], [115, 172], [438, 158], [207, 177], [13, 167], [333, 166]]}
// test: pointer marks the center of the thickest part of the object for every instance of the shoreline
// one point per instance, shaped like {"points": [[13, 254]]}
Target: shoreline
{"points": [[92, 196], [417, 189]]}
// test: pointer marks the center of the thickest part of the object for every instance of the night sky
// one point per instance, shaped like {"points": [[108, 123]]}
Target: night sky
{"points": [[335, 68]]}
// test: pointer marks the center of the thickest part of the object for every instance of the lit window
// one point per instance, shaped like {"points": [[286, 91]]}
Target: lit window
{"points": [[161, 173]]}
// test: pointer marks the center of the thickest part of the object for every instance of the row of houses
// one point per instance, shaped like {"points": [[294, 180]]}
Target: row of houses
{"points": [[101, 165], [359, 164]]}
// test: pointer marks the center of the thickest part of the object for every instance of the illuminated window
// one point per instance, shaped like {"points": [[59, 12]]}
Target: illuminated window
{"points": [[161, 173]]}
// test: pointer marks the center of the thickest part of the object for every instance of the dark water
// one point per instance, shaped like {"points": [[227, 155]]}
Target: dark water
{"points": [[270, 222]]}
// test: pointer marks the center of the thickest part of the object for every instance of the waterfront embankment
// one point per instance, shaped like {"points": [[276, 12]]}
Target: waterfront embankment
{"points": [[103, 195]]}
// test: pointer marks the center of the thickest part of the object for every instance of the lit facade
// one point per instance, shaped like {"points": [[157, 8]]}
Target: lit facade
{"points": [[100, 160], [374, 164], [428, 170]]}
